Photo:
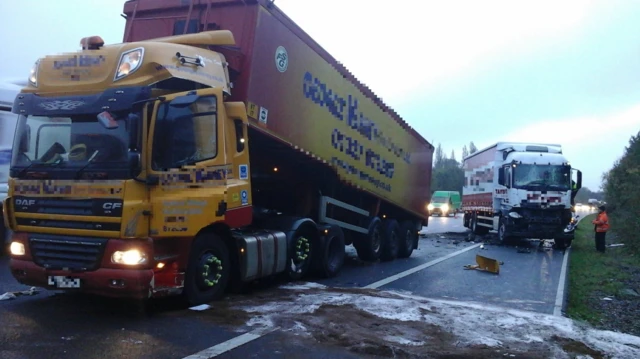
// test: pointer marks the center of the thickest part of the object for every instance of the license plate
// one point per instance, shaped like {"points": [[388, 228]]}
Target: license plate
{"points": [[64, 282]]}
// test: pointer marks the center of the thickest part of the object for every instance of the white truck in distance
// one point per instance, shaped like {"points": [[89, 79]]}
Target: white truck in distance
{"points": [[521, 190]]}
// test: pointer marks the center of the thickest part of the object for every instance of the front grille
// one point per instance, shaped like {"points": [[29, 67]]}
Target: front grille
{"points": [[93, 226], [69, 253]]}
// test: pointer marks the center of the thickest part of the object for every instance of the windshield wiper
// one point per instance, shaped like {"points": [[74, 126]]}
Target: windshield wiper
{"points": [[39, 163], [89, 162]]}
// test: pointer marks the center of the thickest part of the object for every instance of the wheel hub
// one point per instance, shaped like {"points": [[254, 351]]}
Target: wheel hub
{"points": [[210, 269], [302, 249]]}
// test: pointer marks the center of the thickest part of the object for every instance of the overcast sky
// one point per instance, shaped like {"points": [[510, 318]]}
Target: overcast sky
{"points": [[564, 71]]}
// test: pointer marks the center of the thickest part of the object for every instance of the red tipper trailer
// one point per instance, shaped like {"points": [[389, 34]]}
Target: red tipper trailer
{"points": [[296, 91]]}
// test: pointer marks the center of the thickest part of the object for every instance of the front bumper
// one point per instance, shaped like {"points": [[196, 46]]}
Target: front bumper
{"points": [[439, 211], [117, 283]]}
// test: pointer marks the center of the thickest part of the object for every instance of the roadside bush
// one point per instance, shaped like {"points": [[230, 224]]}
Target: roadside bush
{"points": [[622, 193]]}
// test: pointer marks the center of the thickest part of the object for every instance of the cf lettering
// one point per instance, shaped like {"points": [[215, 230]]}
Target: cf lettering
{"points": [[111, 206]]}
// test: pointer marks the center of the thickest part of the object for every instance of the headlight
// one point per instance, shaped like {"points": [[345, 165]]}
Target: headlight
{"points": [[17, 249], [445, 207], [33, 75], [514, 215], [131, 257], [130, 61], [430, 207]]}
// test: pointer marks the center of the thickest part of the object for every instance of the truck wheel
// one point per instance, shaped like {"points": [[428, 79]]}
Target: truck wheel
{"points": [[301, 255], [369, 246], [407, 240], [390, 240], [479, 230], [502, 232], [560, 243], [208, 269], [332, 254]]}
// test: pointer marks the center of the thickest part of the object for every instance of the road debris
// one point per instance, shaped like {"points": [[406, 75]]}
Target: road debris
{"points": [[201, 307], [485, 264], [13, 295]]}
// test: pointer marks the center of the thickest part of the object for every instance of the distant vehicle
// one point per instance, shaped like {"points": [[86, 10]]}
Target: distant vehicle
{"points": [[445, 203], [521, 190]]}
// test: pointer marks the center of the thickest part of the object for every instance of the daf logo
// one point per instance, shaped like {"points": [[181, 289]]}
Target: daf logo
{"points": [[25, 202], [111, 206]]}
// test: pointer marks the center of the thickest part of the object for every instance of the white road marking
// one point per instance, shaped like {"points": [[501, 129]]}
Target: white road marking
{"points": [[231, 344], [395, 277], [557, 309]]}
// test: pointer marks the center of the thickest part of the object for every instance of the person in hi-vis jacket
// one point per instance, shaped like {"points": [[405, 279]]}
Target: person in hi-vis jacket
{"points": [[601, 227]]}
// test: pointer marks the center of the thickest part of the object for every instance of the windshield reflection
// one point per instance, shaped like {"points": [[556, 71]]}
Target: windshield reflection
{"points": [[70, 142], [542, 177]]}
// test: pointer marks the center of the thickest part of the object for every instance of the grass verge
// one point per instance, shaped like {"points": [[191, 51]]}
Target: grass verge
{"points": [[594, 275]]}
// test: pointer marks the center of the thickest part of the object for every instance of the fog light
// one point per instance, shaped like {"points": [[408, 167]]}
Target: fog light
{"points": [[17, 249], [130, 257]]}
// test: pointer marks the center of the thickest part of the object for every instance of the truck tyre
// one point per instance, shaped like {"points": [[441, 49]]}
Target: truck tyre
{"points": [[390, 240], [408, 237], [330, 257], [208, 269], [479, 230], [560, 243], [301, 253], [502, 232], [369, 245]]}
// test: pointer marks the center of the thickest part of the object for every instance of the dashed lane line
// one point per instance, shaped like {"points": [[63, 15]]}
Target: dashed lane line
{"points": [[231, 344]]}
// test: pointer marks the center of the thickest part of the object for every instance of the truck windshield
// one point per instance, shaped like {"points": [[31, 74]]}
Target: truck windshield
{"points": [[60, 146], [439, 200], [542, 177]]}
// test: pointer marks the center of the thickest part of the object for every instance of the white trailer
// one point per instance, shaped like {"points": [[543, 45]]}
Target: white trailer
{"points": [[520, 190]]}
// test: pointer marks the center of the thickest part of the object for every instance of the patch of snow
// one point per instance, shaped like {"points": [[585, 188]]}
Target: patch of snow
{"points": [[297, 328], [403, 341], [472, 323], [261, 321], [302, 286]]}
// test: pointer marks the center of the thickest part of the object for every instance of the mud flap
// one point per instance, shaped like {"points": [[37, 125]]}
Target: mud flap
{"points": [[485, 264]]}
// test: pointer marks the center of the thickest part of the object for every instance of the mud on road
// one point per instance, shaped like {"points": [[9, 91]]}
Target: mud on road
{"points": [[380, 324]]}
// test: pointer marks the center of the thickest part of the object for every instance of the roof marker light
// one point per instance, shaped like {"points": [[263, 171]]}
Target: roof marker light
{"points": [[91, 43]]}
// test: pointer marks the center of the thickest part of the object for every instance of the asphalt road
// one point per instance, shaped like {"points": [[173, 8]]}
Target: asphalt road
{"points": [[49, 325]]}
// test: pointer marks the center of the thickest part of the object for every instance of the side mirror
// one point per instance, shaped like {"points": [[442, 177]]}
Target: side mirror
{"points": [[501, 175], [579, 182], [133, 125], [134, 163], [184, 101]]}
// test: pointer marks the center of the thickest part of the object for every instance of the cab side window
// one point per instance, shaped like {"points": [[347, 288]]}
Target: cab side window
{"points": [[185, 135]]}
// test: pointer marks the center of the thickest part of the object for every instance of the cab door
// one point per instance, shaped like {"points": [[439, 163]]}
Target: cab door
{"points": [[188, 166]]}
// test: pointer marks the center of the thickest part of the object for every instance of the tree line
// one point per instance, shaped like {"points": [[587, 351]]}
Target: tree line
{"points": [[447, 173], [622, 194]]}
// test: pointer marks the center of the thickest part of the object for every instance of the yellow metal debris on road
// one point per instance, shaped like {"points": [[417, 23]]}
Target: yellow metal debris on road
{"points": [[485, 264]]}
